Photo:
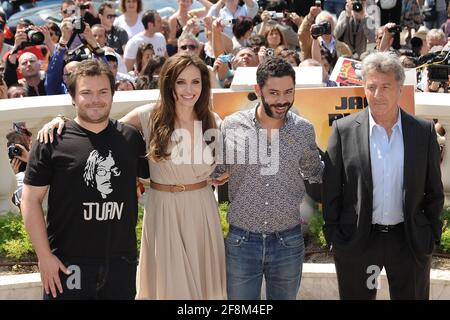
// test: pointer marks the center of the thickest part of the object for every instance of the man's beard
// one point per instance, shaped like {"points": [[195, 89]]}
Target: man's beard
{"points": [[90, 117], [268, 110]]}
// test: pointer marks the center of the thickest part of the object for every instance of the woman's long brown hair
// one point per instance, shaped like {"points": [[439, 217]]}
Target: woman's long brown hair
{"points": [[162, 119]]}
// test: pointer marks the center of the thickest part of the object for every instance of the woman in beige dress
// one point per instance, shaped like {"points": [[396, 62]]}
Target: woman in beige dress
{"points": [[182, 249]]}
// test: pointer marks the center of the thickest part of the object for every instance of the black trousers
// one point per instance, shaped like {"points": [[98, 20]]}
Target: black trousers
{"points": [[98, 280], [407, 278]]}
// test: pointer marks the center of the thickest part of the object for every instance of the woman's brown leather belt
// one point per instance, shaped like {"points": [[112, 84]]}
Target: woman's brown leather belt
{"points": [[178, 187]]}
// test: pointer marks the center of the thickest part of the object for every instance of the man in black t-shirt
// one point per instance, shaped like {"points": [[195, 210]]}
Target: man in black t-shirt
{"points": [[90, 173]]}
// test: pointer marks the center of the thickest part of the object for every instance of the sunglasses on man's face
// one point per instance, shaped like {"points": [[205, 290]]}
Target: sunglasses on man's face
{"points": [[111, 16], [188, 46], [66, 11]]}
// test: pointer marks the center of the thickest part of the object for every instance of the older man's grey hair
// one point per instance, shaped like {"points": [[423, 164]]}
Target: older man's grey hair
{"points": [[384, 62], [188, 36], [437, 35]]}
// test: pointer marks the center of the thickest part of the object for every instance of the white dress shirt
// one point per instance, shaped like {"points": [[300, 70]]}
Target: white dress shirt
{"points": [[387, 160]]}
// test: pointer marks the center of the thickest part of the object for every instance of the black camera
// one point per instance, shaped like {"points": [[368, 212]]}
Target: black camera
{"points": [[357, 6], [395, 29], [77, 55], [14, 151], [438, 73], [78, 25], [84, 6], [34, 38], [320, 29], [270, 52]]}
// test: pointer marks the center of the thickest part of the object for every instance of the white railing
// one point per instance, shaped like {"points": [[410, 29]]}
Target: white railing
{"points": [[36, 111]]}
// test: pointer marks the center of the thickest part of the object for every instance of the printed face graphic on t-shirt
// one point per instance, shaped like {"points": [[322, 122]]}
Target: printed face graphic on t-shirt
{"points": [[98, 172]]}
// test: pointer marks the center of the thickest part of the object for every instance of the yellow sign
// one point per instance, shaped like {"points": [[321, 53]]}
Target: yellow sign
{"points": [[319, 105]]}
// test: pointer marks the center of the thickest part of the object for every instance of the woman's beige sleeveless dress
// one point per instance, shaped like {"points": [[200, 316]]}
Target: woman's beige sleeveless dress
{"points": [[182, 249]]}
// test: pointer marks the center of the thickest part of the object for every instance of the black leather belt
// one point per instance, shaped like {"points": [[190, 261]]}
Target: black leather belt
{"points": [[386, 228]]}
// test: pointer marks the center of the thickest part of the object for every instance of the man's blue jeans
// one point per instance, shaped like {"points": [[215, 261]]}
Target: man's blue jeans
{"points": [[276, 256]]}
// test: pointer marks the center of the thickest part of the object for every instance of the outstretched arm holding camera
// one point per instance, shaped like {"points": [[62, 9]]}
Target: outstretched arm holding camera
{"points": [[304, 33], [47, 38], [54, 79], [388, 37], [343, 20], [11, 62], [265, 17], [214, 10], [221, 43]]}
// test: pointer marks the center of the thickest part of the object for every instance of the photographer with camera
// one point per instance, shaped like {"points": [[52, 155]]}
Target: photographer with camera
{"points": [[322, 24], [318, 26], [18, 144], [84, 9], [353, 27], [390, 12], [385, 37], [31, 39], [88, 12], [64, 61], [230, 9]]}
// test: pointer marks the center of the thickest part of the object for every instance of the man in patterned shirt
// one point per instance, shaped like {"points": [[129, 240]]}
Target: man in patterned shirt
{"points": [[268, 151]]}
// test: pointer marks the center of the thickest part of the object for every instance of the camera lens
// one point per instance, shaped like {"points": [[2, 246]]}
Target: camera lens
{"points": [[357, 6], [14, 151], [35, 37], [317, 30]]}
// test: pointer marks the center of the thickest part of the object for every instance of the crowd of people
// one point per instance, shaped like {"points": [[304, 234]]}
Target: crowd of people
{"points": [[226, 34], [379, 180]]}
